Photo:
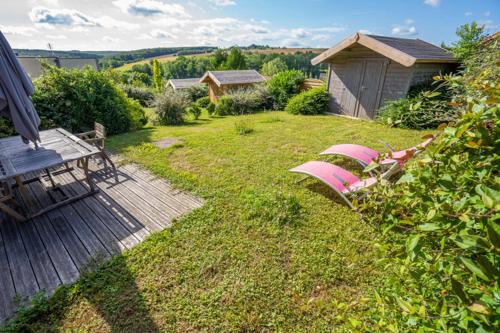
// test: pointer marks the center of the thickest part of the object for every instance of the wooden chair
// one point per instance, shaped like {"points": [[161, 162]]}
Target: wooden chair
{"points": [[7, 198], [97, 137]]}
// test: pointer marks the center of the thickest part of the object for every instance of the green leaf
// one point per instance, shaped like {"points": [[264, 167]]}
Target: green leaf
{"points": [[371, 167], [479, 308], [431, 214], [469, 241], [407, 307], [429, 227], [493, 233], [459, 290], [476, 270]]}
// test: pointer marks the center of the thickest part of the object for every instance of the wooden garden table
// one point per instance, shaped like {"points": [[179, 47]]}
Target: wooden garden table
{"points": [[58, 148]]}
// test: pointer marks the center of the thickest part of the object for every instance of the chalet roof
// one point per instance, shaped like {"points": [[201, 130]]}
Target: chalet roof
{"points": [[405, 51], [183, 83], [233, 77]]}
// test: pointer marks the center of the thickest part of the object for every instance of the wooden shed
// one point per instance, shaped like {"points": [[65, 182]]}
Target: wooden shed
{"points": [[365, 71], [179, 84], [220, 82]]}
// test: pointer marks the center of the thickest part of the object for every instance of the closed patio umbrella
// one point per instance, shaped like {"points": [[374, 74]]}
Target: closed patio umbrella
{"points": [[15, 91]]}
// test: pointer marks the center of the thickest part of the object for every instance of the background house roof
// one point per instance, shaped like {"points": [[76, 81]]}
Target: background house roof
{"points": [[183, 83], [402, 50], [233, 77]]}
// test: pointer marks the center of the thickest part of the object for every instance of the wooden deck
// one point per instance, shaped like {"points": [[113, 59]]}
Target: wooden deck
{"points": [[39, 255]]}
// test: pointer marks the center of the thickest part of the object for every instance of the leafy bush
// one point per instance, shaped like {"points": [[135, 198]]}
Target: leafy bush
{"points": [[428, 109], [444, 214], [211, 109], [274, 207], [6, 127], [243, 127], [273, 67], [196, 92], [203, 102], [195, 111], [170, 108], [238, 102], [283, 86], [144, 96], [75, 99], [313, 101]]}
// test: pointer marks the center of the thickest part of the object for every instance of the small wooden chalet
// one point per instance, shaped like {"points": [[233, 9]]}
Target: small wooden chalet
{"points": [[179, 84], [220, 82], [365, 71]]}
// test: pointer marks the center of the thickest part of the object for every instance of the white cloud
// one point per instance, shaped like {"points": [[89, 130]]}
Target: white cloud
{"points": [[404, 31], [433, 3], [223, 3], [320, 37], [53, 3], [18, 30], [300, 33], [151, 8], [60, 36], [488, 13], [70, 18], [409, 21], [366, 31], [109, 39], [468, 14], [62, 17], [161, 34]]}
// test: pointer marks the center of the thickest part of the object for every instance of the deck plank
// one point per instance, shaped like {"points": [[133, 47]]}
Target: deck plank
{"points": [[7, 290], [20, 267], [56, 247]]}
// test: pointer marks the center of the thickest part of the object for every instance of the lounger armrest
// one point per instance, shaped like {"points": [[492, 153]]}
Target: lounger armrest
{"points": [[386, 144]]}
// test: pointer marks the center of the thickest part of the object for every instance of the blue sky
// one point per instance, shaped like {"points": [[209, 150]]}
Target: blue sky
{"points": [[132, 24]]}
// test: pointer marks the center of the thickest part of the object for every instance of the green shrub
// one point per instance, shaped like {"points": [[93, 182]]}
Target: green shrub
{"points": [[196, 92], [283, 86], [273, 67], [271, 207], [211, 109], [238, 102], [195, 111], [143, 95], [75, 99], [203, 102], [428, 109], [171, 107], [313, 101], [442, 219], [6, 127], [243, 127]]}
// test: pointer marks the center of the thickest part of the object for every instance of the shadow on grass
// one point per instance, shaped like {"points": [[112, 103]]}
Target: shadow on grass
{"points": [[112, 292]]}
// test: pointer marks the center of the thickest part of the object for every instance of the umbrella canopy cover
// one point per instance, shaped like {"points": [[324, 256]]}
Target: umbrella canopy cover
{"points": [[15, 91]]}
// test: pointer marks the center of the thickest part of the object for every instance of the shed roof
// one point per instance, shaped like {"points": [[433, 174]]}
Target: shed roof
{"points": [[233, 77], [405, 51], [183, 83]]}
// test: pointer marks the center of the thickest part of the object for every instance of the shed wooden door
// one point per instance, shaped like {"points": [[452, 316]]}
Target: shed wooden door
{"points": [[371, 88], [344, 87]]}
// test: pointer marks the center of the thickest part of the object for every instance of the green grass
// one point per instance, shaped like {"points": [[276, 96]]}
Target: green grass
{"points": [[263, 254]]}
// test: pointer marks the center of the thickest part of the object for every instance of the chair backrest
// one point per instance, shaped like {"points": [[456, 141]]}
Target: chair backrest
{"points": [[100, 130]]}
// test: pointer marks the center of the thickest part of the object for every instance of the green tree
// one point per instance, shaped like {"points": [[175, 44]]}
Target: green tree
{"points": [[157, 78], [235, 60], [218, 59], [471, 36], [274, 67]]}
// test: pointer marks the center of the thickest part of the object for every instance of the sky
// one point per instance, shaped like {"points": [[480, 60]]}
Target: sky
{"points": [[134, 24]]}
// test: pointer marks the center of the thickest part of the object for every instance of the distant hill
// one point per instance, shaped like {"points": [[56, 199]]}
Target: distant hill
{"points": [[257, 50], [126, 59]]}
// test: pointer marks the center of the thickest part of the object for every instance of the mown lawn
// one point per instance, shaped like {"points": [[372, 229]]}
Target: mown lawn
{"points": [[248, 260]]}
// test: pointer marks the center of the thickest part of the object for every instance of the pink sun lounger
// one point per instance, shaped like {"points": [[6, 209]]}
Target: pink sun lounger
{"points": [[340, 180], [364, 155]]}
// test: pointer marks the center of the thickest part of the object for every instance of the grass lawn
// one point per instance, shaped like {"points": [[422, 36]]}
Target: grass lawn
{"points": [[248, 260]]}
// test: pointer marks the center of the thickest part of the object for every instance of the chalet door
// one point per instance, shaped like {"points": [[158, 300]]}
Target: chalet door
{"points": [[370, 88], [351, 79]]}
